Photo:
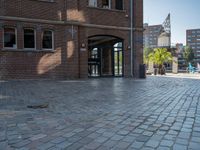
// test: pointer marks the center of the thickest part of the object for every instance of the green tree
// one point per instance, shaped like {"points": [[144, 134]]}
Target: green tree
{"points": [[160, 56], [188, 55], [146, 53]]}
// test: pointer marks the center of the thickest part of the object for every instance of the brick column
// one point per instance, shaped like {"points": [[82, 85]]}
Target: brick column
{"points": [[83, 53], [137, 36], [20, 44], [38, 37]]}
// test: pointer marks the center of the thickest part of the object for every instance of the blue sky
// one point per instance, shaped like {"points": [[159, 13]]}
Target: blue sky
{"points": [[185, 14]]}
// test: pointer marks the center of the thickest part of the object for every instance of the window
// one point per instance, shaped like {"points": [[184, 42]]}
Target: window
{"points": [[193, 32], [119, 4], [45, 0], [106, 3], [10, 38], [29, 39], [47, 40], [93, 3]]}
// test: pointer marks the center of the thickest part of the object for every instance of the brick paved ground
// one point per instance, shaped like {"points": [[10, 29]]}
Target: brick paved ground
{"points": [[157, 113]]}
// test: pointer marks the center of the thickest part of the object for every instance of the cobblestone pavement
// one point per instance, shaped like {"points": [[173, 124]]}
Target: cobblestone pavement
{"points": [[157, 113]]}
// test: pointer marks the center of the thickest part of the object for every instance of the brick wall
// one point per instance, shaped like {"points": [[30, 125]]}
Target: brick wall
{"points": [[67, 60]]}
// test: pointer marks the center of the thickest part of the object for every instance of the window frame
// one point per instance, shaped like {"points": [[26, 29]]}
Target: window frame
{"points": [[34, 39], [109, 5], [94, 4], [48, 1], [122, 6], [14, 48], [47, 49]]}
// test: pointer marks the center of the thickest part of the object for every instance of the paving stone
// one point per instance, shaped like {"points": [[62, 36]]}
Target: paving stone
{"points": [[147, 133], [184, 135], [94, 135], [195, 139], [142, 138], [122, 145], [156, 137], [58, 140], [63, 145], [101, 139], [162, 109], [38, 136], [147, 148], [110, 143], [179, 147], [137, 145], [182, 141], [46, 146], [108, 134], [129, 138], [152, 143], [3, 145], [103, 148], [117, 137], [74, 146], [85, 140], [163, 148], [21, 144], [93, 145], [194, 146], [123, 132], [166, 143]]}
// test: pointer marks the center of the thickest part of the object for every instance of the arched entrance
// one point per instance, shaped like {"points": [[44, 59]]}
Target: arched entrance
{"points": [[105, 56]]}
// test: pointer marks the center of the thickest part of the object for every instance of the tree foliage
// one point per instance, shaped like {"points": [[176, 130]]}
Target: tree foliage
{"points": [[146, 53], [159, 56], [188, 54]]}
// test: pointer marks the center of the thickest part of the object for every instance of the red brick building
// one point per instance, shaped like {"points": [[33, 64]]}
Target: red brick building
{"points": [[70, 38]]}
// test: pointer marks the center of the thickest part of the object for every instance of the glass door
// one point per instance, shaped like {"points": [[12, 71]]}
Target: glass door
{"points": [[118, 63], [106, 61], [118, 60], [94, 62]]}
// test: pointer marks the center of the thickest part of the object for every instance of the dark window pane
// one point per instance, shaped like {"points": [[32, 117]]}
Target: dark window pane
{"points": [[29, 38], [9, 37], [105, 3], [119, 4], [47, 40]]}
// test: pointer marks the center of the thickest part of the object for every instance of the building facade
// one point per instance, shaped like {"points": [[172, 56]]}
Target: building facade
{"points": [[70, 38], [193, 41], [180, 50], [151, 35]]}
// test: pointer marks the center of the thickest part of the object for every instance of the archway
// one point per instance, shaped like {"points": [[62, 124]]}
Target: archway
{"points": [[105, 56]]}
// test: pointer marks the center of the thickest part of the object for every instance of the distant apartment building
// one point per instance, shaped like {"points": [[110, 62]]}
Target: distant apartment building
{"points": [[158, 35], [179, 51], [193, 41], [151, 35]]}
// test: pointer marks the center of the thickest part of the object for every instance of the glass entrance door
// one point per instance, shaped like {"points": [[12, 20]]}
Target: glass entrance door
{"points": [[94, 62], [118, 63], [106, 61], [118, 59], [105, 56]]}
